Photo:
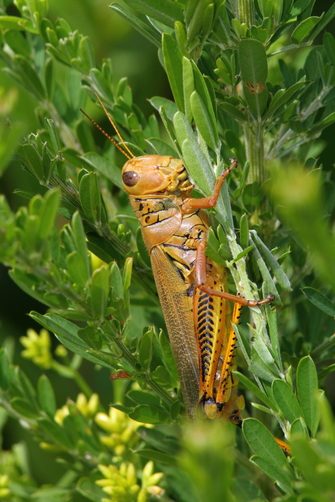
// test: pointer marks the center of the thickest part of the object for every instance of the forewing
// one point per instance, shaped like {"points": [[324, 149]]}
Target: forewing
{"points": [[177, 309]]}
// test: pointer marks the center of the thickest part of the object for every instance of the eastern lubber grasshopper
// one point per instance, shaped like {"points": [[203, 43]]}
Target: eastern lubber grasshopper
{"points": [[192, 288]]}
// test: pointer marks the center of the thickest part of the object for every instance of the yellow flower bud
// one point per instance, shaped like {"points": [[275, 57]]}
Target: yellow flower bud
{"points": [[127, 434], [50, 447], [103, 482], [142, 496], [131, 474], [119, 450], [104, 421], [147, 471], [61, 414], [123, 469], [107, 472], [108, 441], [81, 403], [115, 490], [93, 405], [155, 478], [61, 351]]}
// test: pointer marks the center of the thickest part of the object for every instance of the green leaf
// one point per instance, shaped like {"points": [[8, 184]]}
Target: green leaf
{"points": [[283, 96], [156, 456], [32, 160], [169, 106], [99, 291], [271, 261], [17, 42], [262, 362], [159, 440], [24, 408], [254, 70], [80, 241], [212, 248], [244, 253], [307, 387], [244, 231], [174, 70], [164, 11], [248, 384], [86, 53], [145, 29], [312, 464], [84, 135], [17, 23], [116, 281], [204, 87], [329, 44], [91, 336], [203, 121], [26, 283], [56, 433], [161, 376], [233, 111], [326, 371], [326, 18], [76, 268], [299, 427], [144, 397], [46, 396], [149, 414], [305, 28], [90, 197], [48, 213], [286, 400], [237, 147], [27, 387], [264, 445], [320, 301], [145, 349], [90, 490], [67, 334], [159, 147], [169, 360], [31, 79], [273, 472], [188, 86], [196, 162], [4, 370], [104, 166], [269, 286]]}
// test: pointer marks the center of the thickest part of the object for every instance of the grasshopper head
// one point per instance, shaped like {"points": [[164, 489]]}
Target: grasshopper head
{"points": [[150, 174]]}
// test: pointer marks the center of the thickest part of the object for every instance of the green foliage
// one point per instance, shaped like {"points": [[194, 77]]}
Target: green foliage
{"points": [[238, 92]]}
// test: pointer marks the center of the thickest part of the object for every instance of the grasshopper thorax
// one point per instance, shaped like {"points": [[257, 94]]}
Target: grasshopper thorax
{"points": [[150, 174]]}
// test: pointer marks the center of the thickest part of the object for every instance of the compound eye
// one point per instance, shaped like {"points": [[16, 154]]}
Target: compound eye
{"points": [[130, 178]]}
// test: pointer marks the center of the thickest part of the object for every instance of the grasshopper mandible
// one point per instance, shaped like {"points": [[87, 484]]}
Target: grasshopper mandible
{"points": [[192, 288]]}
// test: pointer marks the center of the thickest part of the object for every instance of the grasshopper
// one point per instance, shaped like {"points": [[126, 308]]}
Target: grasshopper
{"points": [[192, 288]]}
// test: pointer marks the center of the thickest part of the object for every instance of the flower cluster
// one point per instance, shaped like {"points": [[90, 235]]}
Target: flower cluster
{"points": [[121, 429], [122, 485], [37, 348], [87, 407]]}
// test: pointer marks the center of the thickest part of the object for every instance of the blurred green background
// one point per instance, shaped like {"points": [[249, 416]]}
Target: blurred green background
{"points": [[134, 57]]}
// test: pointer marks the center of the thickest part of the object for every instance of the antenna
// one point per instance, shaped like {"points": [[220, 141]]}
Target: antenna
{"points": [[124, 148]]}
